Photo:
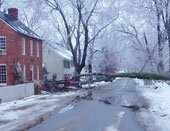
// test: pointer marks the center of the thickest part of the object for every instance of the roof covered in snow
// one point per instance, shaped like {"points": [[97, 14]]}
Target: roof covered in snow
{"points": [[17, 25], [62, 51]]}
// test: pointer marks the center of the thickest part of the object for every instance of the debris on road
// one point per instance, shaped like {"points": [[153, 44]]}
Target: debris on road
{"points": [[105, 102], [133, 107]]}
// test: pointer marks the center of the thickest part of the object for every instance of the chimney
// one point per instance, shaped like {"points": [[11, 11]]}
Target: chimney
{"points": [[13, 12]]}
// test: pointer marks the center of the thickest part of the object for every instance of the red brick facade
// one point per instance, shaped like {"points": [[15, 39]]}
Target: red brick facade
{"points": [[14, 53]]}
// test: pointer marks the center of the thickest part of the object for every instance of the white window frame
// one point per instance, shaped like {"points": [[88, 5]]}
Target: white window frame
{"points": [[38, 73], [31, 48], [23, 46], [24, 72], [32, 69], [38, 49], [3, 84], [3, 45]]}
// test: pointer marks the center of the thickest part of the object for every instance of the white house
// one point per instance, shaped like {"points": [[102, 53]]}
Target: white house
{"points": [[57, 63]]}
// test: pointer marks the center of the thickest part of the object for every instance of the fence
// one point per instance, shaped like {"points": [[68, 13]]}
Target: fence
{"points": [[15, 92]]}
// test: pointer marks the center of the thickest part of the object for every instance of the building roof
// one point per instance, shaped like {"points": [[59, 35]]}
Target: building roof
{"points": [[17, 25], [63, 52]]}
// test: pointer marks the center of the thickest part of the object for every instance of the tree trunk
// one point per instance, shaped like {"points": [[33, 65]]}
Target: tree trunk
{"points": [[78, 70], [160, 55], [169, 49], [160, 46], [149, 55]]}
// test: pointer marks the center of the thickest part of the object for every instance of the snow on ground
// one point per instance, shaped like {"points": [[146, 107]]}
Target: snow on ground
{"points": [[139, 82], [117, 120], [67, 108], [96, 84], [158, 96], [13, 114]]}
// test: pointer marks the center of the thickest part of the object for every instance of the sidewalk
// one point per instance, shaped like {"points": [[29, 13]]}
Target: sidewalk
{"points": [[25, 113]]}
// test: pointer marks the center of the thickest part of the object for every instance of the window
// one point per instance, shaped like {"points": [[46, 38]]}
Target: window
{"points": [[24, 72], [38, 50], [54, 76], [32, 72], [2, 45], [38, 73], [23, 46], [31, 48], [66, 64], [72, 63], [3, 71]]}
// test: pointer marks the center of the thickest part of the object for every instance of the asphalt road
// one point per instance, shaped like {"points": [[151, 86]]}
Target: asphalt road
{"points": [[103, 111]]}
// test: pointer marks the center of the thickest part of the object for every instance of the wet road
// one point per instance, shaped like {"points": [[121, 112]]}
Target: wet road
{"points": [[101, 112]]}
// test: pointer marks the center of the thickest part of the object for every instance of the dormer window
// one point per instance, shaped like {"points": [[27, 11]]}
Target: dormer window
{"points": [[2, 45]]}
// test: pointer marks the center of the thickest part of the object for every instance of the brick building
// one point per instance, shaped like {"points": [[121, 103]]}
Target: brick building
{"points": [[20, 51]]}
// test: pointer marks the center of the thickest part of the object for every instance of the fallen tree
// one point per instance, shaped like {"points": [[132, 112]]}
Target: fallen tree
{"points": [[143, 75], [64, 85]]}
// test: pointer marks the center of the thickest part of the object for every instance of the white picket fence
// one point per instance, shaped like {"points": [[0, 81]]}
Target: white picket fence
{"points": [[16, 92]]}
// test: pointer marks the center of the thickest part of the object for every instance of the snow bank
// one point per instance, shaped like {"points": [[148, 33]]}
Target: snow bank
{"points": [[9, 116], [96, 84], [13, 114], [110, 128], [158, 95], [139, 82], [14, 110], [66, 94]]}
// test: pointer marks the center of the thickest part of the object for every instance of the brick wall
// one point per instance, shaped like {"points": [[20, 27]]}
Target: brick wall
{"points": [[14, 48], [31, 60]]}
